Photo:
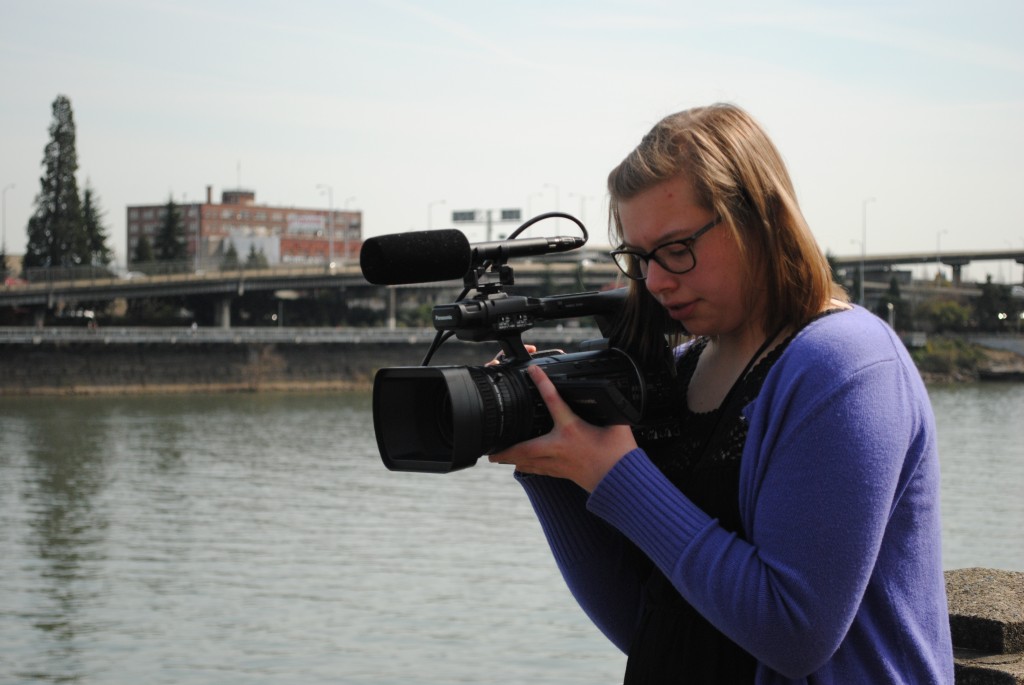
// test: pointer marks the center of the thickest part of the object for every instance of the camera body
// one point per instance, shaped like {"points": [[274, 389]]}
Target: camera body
{"points": [[444, 418], [441, 419]]}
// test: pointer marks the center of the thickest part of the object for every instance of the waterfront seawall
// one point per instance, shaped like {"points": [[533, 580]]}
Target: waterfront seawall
{"points": [[161, 360], [76, 368], [130, 361]]}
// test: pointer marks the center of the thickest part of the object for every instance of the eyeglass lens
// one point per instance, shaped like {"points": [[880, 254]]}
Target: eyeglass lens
{"points": [[675, 257]]}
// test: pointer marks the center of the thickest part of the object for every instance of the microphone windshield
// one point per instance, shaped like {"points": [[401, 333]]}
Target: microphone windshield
{"points": [[415, 257]]}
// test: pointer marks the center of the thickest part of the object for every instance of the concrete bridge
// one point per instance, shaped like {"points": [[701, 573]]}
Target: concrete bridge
{"points": [[43, 294], [588, 271], [955, 260]]}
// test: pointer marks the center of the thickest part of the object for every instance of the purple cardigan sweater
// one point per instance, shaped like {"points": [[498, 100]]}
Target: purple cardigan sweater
{"points": [[840, 579]]}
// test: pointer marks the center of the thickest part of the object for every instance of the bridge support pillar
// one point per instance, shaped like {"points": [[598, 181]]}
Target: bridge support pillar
{"points": [[223, 313], [957, 265], [392, 309]]}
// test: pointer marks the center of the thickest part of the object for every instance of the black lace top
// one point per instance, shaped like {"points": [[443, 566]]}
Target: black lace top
{"points": [[701, 456]]}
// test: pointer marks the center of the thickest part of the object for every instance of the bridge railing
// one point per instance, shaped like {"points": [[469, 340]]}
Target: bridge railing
{"points": [[163, 271], [49, 274]]}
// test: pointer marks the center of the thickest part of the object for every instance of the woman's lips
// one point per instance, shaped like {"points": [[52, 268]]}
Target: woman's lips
{"points": [[681, 310]]}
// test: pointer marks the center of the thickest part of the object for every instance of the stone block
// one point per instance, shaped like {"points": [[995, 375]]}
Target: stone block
{"points": [[986, 609], [986, 619]]}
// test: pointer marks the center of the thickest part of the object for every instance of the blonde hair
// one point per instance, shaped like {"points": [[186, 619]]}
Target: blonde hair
{"points": [[736, 172]]}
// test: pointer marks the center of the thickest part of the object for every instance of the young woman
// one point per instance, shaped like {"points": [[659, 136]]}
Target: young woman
{"points": [[783, 527]]}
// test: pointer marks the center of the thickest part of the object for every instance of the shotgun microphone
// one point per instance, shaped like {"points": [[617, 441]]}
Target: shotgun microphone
{"points": [[427, 256], [415, 257]]}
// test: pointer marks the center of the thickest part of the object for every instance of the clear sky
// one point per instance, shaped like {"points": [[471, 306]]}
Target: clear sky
{"points": [[399, 106]]}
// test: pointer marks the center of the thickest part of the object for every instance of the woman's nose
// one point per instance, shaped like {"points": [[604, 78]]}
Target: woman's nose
{"points": [[658, 279]]}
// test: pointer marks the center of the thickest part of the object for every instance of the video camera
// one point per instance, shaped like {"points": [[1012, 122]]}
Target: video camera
{"points": [[444, 418]]}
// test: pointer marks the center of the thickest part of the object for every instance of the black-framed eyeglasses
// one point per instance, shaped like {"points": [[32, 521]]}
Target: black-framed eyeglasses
{"points": [[675, 256]]}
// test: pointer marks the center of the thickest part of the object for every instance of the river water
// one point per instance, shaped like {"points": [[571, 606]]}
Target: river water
{"points": [[249, 539]]}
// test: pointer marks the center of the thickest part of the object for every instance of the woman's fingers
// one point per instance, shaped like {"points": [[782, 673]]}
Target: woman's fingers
{"points": [[573, 449], [559, 410]]}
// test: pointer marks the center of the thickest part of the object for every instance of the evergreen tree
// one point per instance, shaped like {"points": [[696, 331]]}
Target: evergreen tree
{"points": [[992, 309], [143, 251], [230, 260], [256, 260], [169, 245], [855, 285], [95, 235], [901, 310], [55, 235]]}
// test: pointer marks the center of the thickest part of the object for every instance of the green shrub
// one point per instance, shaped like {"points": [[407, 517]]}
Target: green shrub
{"points": [[946, 355]]}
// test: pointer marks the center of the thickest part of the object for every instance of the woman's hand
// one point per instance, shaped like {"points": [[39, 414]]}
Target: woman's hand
{"points": [[574, 449]]}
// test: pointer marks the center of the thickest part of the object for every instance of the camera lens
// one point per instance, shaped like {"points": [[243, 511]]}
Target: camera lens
{"points": [[425, 417], [444, 418], [441, 419], [511, 407]]}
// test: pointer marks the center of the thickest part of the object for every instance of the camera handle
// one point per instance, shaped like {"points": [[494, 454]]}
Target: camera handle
{"points": [[513, 349]]}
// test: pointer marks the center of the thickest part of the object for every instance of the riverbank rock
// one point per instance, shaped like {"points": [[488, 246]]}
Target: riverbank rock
{"points": [[989, 364], [1002, 365]]}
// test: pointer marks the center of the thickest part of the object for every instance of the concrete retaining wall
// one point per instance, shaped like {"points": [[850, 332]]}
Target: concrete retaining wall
{"points": [[1010, 343], [82, 368]]}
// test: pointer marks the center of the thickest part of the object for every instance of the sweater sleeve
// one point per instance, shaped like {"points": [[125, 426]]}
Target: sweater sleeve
{"points": [[596, 561], [824, 462]]}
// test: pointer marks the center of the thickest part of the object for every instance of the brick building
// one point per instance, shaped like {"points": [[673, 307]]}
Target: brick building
{"points": [[284, 235]]}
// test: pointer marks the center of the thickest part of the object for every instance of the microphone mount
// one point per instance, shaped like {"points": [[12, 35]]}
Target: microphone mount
{"points": [[488, 275], [489, 271], [489, 278]]}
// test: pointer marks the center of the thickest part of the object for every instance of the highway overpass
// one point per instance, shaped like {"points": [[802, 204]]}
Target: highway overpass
{"points": [[955, 260], [547, 278], [541, 277]]}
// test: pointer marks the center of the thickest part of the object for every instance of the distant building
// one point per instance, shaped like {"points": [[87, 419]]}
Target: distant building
{"points": [[284, 235]]}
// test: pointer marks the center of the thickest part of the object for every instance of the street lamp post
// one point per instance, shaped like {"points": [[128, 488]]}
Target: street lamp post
{"points": [[529, 203], [3, 220], [557, 194], [187, 218], [430, 215], [583, 205], [938, 252], [330, 222], [863, 245], [348, 226]]}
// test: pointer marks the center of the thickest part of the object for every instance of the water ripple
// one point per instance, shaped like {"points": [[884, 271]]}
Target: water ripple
{"points": [[257, 539]]}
